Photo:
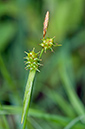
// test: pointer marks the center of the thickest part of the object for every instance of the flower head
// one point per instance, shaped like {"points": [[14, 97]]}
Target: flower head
{"points": [[47, 43], [32, 60]]}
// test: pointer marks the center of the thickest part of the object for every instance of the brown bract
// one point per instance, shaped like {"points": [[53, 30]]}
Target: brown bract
{"points": [[45, 24]]}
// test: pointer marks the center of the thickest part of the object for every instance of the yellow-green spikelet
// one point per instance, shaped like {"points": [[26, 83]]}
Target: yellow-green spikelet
{"points": [[47, 43], [32, 61]]}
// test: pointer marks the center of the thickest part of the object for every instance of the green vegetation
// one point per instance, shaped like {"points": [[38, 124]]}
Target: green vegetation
{"points": [[58, 93]]}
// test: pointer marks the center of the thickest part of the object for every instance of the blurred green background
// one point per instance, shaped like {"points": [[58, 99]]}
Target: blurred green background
{"points": [[59, 88]]}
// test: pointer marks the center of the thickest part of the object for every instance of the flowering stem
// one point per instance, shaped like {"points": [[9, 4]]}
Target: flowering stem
{"points": [[27, 96], [32, 63]]}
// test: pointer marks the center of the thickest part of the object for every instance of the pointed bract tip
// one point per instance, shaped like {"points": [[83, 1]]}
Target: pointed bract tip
{"points": [[33, 49], [26, 52]]}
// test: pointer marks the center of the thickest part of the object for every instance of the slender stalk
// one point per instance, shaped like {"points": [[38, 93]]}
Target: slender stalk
{"points": [[27, 97], [28, 91]]}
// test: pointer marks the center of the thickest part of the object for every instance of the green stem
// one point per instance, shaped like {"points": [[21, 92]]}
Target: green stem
{"points": [[27, 96]]}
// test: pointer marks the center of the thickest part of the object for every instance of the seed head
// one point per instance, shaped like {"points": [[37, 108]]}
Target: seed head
{"points": [[47, 43], [32, 60]]}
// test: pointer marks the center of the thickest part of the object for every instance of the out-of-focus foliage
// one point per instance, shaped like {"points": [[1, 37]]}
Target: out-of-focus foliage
{"points": [[59, 88]]}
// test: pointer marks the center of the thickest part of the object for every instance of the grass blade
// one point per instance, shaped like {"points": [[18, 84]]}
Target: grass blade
{"points": [[60, 100], [61, 120], [74, 99]]}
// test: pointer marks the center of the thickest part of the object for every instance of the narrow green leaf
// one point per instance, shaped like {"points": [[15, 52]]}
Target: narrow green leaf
{"points": [[35, 124], [27, 95], [5, 122], [10, 83], [6, 125], [74, 99], [61, 120], [74, 121], [60, 100], [7, 31]]}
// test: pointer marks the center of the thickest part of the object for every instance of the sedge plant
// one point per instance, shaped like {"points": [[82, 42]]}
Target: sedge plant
{"points": [[32, 62]]}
